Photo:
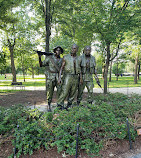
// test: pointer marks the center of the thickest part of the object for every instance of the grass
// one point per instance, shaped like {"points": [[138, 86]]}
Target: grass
{"points": [[123, 82], [32, 83], [40, 81], [20, 77], [9, 91]]}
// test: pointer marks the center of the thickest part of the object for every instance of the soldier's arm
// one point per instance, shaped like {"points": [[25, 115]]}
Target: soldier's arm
{"points": [[81, 78], [61, 70]]}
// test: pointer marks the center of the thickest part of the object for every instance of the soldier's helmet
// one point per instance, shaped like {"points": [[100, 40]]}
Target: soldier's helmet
{"points": [[60, 49]]}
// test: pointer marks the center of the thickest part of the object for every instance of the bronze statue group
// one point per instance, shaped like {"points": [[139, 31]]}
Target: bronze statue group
{"points": [[70, 75]]}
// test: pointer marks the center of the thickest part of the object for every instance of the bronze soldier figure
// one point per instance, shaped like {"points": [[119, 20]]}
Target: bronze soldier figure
{"points": [[52, 64], [88, 68], [71, 68]]}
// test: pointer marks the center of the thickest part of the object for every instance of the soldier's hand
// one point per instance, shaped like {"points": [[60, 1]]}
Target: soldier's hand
{"points": [[97, 80], [59, 81]]}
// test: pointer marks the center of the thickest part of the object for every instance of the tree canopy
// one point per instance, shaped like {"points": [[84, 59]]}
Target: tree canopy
{"points": [[48, 23]]}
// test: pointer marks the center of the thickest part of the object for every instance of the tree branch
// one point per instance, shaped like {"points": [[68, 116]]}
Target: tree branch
{"points": [[111, 11], [125, 5], [117, 50], [96, 19], [43, 8]]}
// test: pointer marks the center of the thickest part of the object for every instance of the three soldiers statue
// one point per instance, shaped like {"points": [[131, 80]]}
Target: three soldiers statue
{"points": [[77, 72]]}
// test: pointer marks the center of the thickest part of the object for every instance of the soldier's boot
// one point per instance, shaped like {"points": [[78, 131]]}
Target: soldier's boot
{"points": [[90, 102], [78, 103], [68, 106], [49, 107], [60, 107]]}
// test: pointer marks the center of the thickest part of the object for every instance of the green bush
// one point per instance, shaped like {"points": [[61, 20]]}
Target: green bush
{"points": [[106, 119], [9, 117]]}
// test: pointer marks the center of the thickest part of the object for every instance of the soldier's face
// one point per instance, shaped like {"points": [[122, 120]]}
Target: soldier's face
{"points": [[74, 49], [87, 51], [58, 51]]}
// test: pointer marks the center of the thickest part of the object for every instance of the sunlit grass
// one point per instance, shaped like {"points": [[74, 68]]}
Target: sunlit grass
{"points": [[20, 77], [8, 91], [32, 83], [122, 82], [40, 81]]}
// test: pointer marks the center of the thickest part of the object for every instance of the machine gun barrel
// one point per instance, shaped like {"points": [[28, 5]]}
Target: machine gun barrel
{"points": [[43, 53], [97, 81]]}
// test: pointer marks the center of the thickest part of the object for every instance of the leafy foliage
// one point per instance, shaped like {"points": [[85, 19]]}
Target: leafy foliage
{"points": [[106, 119], [118, 68], [9, 118]]}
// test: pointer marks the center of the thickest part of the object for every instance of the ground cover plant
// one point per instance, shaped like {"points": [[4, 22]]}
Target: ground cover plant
{"points": [[104, 120]]}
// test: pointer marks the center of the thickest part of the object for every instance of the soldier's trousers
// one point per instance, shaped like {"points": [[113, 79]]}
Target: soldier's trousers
{"points": [[69, 89], [51, 84], [90, 86]]}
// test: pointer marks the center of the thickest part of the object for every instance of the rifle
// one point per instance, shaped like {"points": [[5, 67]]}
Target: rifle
{"points": [[48, 54], [43, 53], [97, 81]]}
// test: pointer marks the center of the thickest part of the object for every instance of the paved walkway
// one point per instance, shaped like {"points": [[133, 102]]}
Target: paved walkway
{"points": [[126, 90], [137, 156]]}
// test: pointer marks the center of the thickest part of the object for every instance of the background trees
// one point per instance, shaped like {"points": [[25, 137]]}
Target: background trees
{"points": [[49, 23]]}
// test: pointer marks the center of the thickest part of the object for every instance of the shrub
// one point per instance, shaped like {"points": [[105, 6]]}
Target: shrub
{"points": [[106, 119], [9, 117]]}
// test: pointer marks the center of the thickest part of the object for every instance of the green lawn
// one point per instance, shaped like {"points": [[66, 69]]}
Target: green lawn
{"points": [[40, 81], [122, 82], [32, 83], [20, 77]]}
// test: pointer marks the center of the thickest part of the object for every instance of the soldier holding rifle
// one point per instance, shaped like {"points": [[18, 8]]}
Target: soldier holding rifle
{"points": [[52, 63], [88, 68]]}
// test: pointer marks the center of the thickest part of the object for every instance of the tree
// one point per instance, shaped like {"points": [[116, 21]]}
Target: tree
{"points": [[118, 68], [5, 7], [20, 36], [135, 56], [105, 21], [7, 19], [111, 20]]}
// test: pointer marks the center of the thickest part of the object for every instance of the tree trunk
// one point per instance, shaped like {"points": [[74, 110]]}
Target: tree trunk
{"points": [[32, 72], [11, 49], [23, 69], [117, 72], [47, 24], [110, 73], [136, 69], [139, 71], [13, 66], [106, 67]]}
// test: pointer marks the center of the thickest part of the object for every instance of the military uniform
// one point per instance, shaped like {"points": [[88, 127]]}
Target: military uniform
{"points": [[71, 76], [52, 76], [87, 65]]}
